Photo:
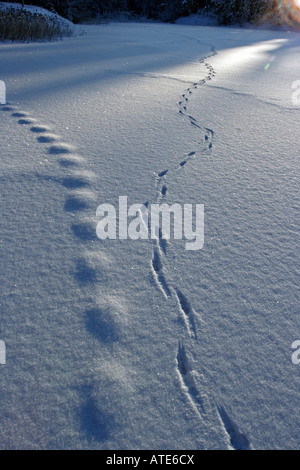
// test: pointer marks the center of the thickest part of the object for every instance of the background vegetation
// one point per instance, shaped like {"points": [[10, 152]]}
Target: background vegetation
{"points": [[21, 25], [230, 11]]}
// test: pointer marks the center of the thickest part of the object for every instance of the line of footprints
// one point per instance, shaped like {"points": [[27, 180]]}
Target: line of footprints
{"points": [[88, 268], [160, 244], [82, 197], [188, 377], [77, 180], [185, 97]]}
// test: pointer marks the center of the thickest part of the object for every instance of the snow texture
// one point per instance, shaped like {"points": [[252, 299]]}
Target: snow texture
{"points": [[122, 344]]}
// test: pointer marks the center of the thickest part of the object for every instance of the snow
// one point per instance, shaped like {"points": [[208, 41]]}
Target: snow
{"points": [[35, 9], [123, 344]]}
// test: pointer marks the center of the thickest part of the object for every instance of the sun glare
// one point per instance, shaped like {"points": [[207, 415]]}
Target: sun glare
{"points": [[290, 12]]}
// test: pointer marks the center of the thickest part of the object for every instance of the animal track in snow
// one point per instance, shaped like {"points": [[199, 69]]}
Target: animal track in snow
{"points": [[20, 114], [185, 372], [40, 129], [158, 272], [209, 135], [162, 173], [70, 160], [238, 440], [75, 182], [163, 243], [78, 179], [187, 313], [8, 108], [183, 108], [61, 147], [47, 138], [80, 198], [27, 121], [84, 229], [164, 190], [90, 268], [159, 249], [95, 423], [187, 381], [84, 272], [100, 324]]}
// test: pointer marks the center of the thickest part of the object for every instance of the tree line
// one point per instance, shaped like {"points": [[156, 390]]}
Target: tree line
{"points": [[230, 11]]}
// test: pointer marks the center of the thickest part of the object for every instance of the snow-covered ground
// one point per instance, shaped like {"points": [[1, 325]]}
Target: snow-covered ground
{"points": [[122, 344]]}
